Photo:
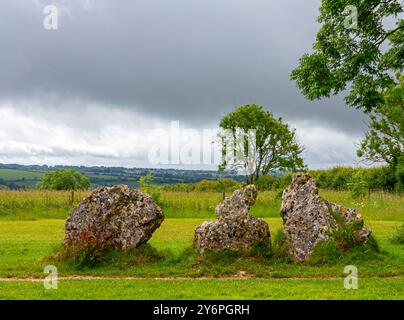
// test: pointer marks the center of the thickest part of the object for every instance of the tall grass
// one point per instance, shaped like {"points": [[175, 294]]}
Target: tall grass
{"points": [[34, 204], [376, 206]]}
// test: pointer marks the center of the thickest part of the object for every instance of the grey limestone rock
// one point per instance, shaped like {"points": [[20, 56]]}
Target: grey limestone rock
{"points": [[118, 216]]}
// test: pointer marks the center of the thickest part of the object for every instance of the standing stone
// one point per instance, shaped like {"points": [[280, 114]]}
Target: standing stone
{"points": [[309, 218], [235, 228], [117, 216]]}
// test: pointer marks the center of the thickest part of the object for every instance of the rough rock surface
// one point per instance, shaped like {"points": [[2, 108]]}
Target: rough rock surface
{"points": [[116, 216], [309, 218], [235, 229]]}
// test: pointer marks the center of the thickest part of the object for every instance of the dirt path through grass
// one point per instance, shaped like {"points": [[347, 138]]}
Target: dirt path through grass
{"points": [[224, 278]]}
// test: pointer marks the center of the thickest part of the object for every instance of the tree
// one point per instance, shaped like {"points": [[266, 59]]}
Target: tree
{"points": [[400, 173], [384, 142], [64, 179], [146, 181], [349, 52], [274, 144]]}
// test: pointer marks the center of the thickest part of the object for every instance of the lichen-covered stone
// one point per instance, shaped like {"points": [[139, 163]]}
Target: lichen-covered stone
{"points": [[309, 218], [235, 229], [117, 216]]}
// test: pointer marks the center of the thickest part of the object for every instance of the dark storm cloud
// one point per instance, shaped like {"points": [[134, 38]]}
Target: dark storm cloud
{"points": [[190, 60]]}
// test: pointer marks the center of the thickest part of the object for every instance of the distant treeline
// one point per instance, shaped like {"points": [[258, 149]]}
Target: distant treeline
{"points": [[15, 176], [337, 178], [340, 178], [223, 184], [357, 180], [345, 178], [10, 185]]}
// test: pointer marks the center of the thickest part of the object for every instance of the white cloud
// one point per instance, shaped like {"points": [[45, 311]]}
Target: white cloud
{"points": [[326, 146], [94, 136], [102, 135]]}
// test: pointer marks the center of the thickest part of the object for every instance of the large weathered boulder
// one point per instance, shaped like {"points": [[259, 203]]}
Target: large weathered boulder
{"points": [[309, 218], [117, 216], [235, 228]]}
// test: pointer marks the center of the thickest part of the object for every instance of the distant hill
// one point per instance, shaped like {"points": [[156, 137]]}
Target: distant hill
{"points": [[15, 176]]}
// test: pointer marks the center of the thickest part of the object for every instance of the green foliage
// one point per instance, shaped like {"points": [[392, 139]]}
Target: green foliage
{"points": [[344, 242], [217, 185], [280, 247], [356, 180], [146, 184], [358, 186], [268, 182], [359, 181], [146, 181], [337, 178], [400, 173], [398, 237], [207, 185], [64, 179], [222, 184], [384, 142], [333, 251], [325, 252], [155, 194], [353, 56], [345, 239], [226, 184], [275, 143], [94, 255], [259, 252], [89, 257]]}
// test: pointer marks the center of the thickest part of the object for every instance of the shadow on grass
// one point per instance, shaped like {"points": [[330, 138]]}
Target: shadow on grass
{"points": [[90, 257], [261, 260], [398, 237]]}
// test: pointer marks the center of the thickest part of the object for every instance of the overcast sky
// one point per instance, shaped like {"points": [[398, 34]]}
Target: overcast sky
{"points": [[92, 91]]}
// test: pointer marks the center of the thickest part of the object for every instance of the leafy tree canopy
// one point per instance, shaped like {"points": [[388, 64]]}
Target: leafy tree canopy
{"points": [[361, 55], [384, 142], [275, 146], [64, 179], [146, 181]]}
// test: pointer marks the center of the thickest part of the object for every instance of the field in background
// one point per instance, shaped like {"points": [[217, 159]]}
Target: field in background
{"points": [[13, 176], [36, 204]]}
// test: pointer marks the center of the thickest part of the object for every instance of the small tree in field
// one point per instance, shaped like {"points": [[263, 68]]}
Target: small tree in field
{"points": [[274, 145], [64, 179], [146, 183]]}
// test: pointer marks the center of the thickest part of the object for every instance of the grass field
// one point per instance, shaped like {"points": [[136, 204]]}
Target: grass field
{"points": [[36, 204], [13, 174], [243, 289], [25, 246], [168, 268]]}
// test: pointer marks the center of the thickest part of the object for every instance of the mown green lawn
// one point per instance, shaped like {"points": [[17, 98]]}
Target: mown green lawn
{"points": [[32, 230], [25, 248], [242, 289]]}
